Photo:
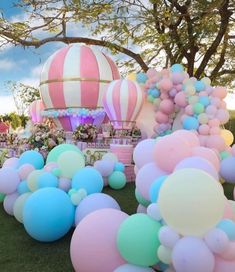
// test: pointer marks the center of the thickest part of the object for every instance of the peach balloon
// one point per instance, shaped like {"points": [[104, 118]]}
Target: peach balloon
{"points": [[204, 129], [222, 265], [229, 253], [167, 106], [188, 136], [219, 92], [161, 117], [216, 141], [180, 99]]}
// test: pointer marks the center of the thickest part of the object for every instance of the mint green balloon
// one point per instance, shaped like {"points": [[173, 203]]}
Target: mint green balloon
{"points": [[198, 108], [2, 196], [224, 155], [59, 149], [137, 240], [117, 180], [141, 200], [19, 206]]}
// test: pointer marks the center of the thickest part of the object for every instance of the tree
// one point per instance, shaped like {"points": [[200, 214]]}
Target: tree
{"points": [[23, 95], [199, 34]]}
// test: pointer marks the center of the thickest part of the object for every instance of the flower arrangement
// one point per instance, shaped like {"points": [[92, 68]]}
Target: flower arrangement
{"points": [[85, 133], [3, 137], [44, 139]]}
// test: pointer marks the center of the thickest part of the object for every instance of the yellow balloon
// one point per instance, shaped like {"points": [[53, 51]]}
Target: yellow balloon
{"points": [[164, 254], [19, 206], [191, 201], [227, 136], [32, 180], [131, 76]]}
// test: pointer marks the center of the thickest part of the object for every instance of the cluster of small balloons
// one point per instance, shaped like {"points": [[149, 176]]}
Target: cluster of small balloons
{"points": [[177, 186], [49, 199], [200, 106]]}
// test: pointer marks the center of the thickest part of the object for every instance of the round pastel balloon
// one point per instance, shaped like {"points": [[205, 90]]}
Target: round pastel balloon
{"points": [[198, 163], [50, 166], [154, 212], [117, 180], [207, 154], [110, 157], [227, 169], [24, 170], [141, 209], [192, 254], [164, 254], [185, 188], [19, 206], [2, 196], [217, 240], [143, 152], [169, 151], [229, 252], [105, 167], [88, 178], [48, 214], [54, 154], [119, 166], [98, 230], [47, 180], [168, 237], [11, 162], [146, 176], [93, 203], [133, 268], [64, 184], [141, 200], [190, 137], [228, 226], [155, 188], [69, 162], [9, 180], [32, 157], [137, 240], [217, 142], [32, 180], [190, 123], [227, 136], [8, 203], [23, 187], [222, 265]]}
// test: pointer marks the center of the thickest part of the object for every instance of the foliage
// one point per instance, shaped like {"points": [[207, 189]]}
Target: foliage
{"points": [[200, 34], [23, 95], [44, 139], [15, 120], [85, 133]]}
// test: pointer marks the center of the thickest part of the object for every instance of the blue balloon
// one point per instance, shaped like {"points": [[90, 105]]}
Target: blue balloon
{"points": [[141, 77], [119, 166], [32, 157], [48, 214], [177, 68], [93, 203], [155, 93], [190, 123], [199, 86], [227, 169], [88, 178], [23, 187], [47, 179], [204, 100], [155, 188], [228, 226]]}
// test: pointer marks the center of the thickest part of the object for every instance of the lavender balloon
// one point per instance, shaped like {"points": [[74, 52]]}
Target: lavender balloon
{"points": [[9, 180], [227, 169], [9, 202], [105, 167]]}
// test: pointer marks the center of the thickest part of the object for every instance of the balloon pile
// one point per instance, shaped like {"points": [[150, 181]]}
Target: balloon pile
{"points": [[49, 199], [199, 105], [177, 185]]}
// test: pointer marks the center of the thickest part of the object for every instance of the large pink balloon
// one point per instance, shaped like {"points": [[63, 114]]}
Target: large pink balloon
{"points": [[93, 245], [146, 176], [143, 152], [222, 265], [198, 163], [190, 137], [207, 154], [169, 151]]}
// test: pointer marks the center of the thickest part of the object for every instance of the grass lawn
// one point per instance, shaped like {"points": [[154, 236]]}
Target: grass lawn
{"points": [[19, 252]]}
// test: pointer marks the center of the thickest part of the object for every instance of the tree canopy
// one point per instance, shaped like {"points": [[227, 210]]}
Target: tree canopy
{"points": [[155, 33]]}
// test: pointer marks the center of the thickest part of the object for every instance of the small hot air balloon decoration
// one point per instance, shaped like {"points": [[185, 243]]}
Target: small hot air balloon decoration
{"points": [[72, 85], [122, 102]]}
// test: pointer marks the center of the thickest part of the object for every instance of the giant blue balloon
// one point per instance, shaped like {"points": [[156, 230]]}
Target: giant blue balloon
{"points": [[48, 214], [88, 178], [32, 157]]}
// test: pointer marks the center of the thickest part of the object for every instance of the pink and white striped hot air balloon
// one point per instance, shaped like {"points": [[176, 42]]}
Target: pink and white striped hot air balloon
{"points": [[122, 102], [75, 77], [35, 109]]}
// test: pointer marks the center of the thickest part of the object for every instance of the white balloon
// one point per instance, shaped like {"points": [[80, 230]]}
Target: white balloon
{"points": [[133, 268]]}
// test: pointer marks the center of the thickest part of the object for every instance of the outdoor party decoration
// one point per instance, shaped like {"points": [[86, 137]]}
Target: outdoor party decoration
{"points": [[35, 110], [122, 102], [72, 85]]}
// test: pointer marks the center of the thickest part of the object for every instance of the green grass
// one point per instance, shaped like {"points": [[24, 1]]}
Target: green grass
{"points": [[19, 252]]}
